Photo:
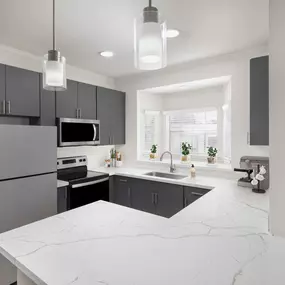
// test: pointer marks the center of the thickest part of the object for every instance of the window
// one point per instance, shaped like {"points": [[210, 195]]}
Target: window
{"points": [[197, 127], [151, 128]]}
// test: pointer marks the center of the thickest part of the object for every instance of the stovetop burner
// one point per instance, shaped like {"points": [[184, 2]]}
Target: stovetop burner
{"points": [[75, 171]]}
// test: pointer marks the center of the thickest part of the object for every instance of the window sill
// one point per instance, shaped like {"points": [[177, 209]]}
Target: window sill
{"points": [[179, 164]]}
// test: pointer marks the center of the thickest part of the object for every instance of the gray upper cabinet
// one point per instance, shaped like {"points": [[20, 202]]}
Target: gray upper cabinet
{"points": [[47, 106], [111, 113], [118, 118], [66, 101], [259, 101], [2, 89], [191, 194], [22, 92], [87, 101]]}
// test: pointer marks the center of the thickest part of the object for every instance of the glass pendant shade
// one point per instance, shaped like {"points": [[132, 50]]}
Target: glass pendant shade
{"points": [[54, 72], [150, 41]]}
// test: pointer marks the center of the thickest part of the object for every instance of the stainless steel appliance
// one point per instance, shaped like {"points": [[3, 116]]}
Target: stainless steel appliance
{"points": [[249, 165], [85, 186], [28, 180], [78, 132]]}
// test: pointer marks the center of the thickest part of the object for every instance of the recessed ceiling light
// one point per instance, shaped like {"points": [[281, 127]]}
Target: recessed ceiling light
{"points": [[107, 53], [172, 33]]}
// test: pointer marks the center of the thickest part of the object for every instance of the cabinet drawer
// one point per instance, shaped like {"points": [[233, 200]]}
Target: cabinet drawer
{"points": [[191, 194]]}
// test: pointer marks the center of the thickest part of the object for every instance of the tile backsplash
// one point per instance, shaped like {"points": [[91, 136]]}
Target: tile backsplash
{"points": [[96, 154]]}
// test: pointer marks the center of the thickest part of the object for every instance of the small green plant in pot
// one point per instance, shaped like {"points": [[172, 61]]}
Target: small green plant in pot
{"points": [[153, 151], [212, 153], [185, 151]]}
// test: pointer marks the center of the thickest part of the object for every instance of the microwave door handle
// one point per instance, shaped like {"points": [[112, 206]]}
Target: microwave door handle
{"points": [[95, 132]]}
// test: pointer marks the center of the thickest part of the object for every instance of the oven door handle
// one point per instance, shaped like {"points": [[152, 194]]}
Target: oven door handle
{"points": [[95, 132], [89, 183]]}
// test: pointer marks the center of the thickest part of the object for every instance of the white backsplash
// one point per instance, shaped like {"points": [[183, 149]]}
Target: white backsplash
{"points": [[96, 154]]}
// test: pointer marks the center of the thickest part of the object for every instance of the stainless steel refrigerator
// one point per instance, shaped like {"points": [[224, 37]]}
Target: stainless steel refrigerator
{"points": [[28, 180]]}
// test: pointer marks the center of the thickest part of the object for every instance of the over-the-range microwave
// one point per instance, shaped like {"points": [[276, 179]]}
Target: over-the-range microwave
{"points": [[78, 132]]}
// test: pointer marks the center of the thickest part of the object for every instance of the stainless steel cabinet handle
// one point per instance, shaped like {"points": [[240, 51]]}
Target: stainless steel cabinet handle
{"points": [[77, 113], [156, 198], [109, 139], [80, 113], [113, 140], [185, 202], [197, 194], [9, 107], [3, 107], [89, 183]]}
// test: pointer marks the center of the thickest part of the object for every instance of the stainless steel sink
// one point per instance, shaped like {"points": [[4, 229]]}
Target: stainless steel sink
{"points": [[165, 175]]}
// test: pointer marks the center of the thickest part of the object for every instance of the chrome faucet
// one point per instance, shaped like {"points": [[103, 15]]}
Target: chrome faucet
{"points": [[172, 166]]}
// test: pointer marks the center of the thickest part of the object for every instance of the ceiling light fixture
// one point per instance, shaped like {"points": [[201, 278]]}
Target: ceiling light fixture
{"points": [[107, 53], [54, 66], [172, 33], [150, 40]]}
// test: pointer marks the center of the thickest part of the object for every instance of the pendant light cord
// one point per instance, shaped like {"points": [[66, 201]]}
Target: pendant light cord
{"points": [[150, 4], [53, 22]]}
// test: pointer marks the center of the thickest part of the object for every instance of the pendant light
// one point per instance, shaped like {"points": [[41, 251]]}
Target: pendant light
{"points": [[54, 66], [150, 40]]}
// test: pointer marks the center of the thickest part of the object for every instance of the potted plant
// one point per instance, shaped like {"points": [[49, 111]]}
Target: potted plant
{"points": [[153, 151], [212, 153], [185, 150]]}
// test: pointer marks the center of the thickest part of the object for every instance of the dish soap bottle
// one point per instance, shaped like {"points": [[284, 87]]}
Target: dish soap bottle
{"points": [[193, 171]]}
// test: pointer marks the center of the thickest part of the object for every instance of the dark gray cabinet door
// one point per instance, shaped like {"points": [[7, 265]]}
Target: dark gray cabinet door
{"points": [[169, 199], [2, 89], [66, 101], [87, 101], [47, 107], [122, 191], [104, 114], [22, 92], [111, 113], [142, 196], [259, 101], [118, 117], [191, 194]]}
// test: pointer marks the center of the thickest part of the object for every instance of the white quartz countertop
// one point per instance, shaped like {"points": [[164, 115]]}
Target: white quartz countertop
{"points": [[61, 183], [221, 239]]}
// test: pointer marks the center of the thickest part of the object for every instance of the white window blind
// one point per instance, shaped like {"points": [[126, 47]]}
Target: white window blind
{"points": [[151, 130], [197, 127]]}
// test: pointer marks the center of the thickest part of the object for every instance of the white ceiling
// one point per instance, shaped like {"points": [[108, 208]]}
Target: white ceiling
{"points": [[86, 27]]}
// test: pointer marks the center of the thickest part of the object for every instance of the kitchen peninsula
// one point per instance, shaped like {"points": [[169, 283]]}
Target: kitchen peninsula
{"points": [[220, 239]]}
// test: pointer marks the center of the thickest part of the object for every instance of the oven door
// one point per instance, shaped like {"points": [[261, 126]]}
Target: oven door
{"points": [[78, 132], [82, 194]]}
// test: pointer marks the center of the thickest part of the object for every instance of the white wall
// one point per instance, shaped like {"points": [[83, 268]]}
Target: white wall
{"points": [[11, 56], [234, 65], [277, 116]]}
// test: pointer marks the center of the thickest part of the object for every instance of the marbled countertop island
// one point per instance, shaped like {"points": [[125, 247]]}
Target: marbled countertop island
{"points": [[221, 239]]}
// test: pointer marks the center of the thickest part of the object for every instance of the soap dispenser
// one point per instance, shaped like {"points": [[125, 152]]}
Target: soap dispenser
{"points": [[193, 171]]}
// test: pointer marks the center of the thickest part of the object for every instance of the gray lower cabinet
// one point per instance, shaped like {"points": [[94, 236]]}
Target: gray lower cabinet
{"points": [[66, 101], [23, 201], [61, 199], [158, 198], [2, 89], [143, 196], [259, 101], [87, 101], [22, 92], [122, 191], [153, 197], [191, 194], [111, 113]]}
